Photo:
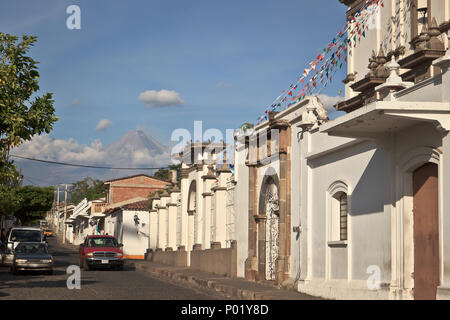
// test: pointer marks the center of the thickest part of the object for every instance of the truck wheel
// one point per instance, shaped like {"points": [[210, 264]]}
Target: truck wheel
{"points": [[80, 263], [86, 266]]}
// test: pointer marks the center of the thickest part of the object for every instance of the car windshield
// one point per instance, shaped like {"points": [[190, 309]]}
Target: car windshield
{"points": [[102, 242], [31, 248], [26, 236]]}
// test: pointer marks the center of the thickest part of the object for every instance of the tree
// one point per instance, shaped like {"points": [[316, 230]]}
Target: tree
{"points": [[9, 200], [87, 188], [163, 174], [23, 113], [34, 202]]}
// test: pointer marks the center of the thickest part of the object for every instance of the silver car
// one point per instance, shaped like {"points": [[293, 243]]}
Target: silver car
{"points": [[32, 256]]}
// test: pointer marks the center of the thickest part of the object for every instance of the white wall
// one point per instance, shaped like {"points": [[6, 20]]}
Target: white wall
{"points": [[134, 236]]}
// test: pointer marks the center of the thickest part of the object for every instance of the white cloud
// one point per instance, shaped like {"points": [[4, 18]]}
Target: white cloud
{"points": [[160, 98], [329, 102], [71, 151], [103, 125], [46, 148]]}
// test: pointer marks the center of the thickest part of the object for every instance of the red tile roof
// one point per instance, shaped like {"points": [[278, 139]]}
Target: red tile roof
{"points": [[142, 205], [134, 176]]}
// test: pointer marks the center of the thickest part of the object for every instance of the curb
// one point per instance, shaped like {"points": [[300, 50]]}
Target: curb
{"points": [[241, 294]]}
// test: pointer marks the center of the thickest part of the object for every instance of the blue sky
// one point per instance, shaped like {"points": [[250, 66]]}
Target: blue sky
{"points": [[227, 60]]}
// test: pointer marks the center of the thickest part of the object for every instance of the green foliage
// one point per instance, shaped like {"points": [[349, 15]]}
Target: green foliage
{"points": [[27, 203], [23, 113], [34, 202], [87, 188], [9, 200], [163, 174]]}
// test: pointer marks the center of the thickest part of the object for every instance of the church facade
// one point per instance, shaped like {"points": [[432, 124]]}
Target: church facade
{"points": [[355, 207]]}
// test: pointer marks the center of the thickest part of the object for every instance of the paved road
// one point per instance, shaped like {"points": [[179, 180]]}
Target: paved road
{"points": [[97, 284]]}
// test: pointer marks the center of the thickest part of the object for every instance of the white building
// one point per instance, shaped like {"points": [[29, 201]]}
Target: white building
{"points": [[355, 207], [129, 223]]}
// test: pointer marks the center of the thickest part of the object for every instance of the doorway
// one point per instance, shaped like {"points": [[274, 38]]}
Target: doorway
{"points": [[426, 231]]}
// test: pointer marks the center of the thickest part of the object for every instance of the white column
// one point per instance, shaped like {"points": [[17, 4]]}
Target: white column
{"points": [[208, 181], [172, 227], [153, 224], [199, 210], [221, 205], [184, 207], [162, 218]]}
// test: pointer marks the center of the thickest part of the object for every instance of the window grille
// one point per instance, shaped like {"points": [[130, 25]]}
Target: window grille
{"points": [[343, 216]]}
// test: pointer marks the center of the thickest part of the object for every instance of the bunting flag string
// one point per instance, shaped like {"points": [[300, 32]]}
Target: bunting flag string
{"points": [[319, 72]]}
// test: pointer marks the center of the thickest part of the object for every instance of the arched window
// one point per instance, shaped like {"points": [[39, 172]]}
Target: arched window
{"points": [[338, 211]]}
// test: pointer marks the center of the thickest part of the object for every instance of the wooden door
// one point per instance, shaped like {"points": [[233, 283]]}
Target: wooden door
{"points": [[426, 232]]}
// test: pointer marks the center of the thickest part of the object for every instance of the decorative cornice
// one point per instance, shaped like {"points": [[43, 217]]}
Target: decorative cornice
{"points": [[260, 217], [206, 194], [224, 168], [444, 26]]}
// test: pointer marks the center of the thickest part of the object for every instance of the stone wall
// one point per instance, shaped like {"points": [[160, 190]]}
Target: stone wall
{"points": [[216, 260], [177, 258]]}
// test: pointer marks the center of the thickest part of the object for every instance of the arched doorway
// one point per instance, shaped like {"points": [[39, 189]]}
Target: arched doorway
{"points": [[426, 231], [269, 236], [192, 214]]}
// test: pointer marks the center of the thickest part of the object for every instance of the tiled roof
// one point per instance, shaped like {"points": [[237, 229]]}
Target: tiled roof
{"points": [[140, 205], [134, 176]]}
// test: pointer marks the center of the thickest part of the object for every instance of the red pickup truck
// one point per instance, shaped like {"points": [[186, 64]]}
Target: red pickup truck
{"points": [[99, 251]]}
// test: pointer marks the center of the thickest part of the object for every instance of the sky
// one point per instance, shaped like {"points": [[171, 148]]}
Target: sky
{"points": [[158, 65]]}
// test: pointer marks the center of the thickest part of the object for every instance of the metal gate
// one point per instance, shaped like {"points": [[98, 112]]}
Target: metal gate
{"points": [[272, 235], [230, 228]]}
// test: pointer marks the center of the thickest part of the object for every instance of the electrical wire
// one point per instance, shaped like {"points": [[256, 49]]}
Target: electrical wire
{"points": [[84, 166]]}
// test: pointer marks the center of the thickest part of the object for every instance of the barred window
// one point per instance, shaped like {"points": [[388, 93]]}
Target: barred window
{"points": [[343, 216]]}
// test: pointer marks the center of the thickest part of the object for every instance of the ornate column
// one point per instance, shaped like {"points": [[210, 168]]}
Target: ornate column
{"points": [[172, 220], [251, 264], [184, 205], [208, 181], [221, 204], [162, 221], [153, 224]]}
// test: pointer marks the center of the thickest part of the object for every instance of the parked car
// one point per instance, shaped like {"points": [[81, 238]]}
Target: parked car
{"points": [[98, 251], [21, 234], [32, 256]]}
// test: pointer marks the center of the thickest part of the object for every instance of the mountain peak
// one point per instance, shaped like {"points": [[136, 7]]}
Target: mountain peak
{"points": [[136, 140]]}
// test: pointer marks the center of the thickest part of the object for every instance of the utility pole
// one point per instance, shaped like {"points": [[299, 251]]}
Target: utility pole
{"points": [[65, 213], [57, 211]]}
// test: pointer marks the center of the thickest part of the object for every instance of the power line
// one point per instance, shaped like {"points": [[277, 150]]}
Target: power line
{"points": [[84, 166]]}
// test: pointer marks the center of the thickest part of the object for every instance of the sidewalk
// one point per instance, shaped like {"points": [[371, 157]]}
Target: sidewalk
{"points": [[235, 288]]}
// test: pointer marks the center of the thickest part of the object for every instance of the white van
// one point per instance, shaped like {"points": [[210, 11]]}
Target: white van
{"points": [[21, 234]]}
